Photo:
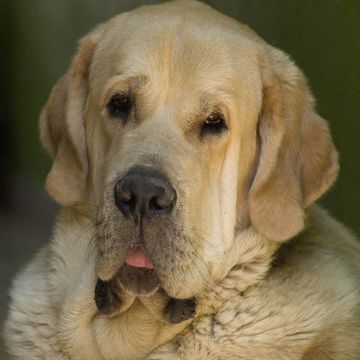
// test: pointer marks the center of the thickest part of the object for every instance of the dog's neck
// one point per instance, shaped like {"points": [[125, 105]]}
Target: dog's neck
{"points": [[244, 264]]}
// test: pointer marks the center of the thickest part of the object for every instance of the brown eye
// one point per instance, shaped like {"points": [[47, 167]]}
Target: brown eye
{"points": [[119, 106], [214, 124]]}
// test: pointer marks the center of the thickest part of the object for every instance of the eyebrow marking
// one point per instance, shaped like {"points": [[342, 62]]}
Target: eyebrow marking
{"points": [[122, 84]]}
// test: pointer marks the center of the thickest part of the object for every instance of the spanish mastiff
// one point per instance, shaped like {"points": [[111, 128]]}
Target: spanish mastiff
{"points": [[187, 154]]}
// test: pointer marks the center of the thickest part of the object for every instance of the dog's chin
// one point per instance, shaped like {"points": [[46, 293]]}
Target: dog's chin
{"points": [[184, 284], [138, 281]]}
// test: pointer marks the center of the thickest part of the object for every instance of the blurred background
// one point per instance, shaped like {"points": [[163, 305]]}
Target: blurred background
{"points": [[38, 39]]}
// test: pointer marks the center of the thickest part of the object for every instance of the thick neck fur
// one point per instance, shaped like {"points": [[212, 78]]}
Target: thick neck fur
{"points": [[244, 264]]}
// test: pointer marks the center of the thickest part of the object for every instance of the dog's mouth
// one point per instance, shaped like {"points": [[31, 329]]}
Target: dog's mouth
{"points": [[139, 259], [138, 281], [136, 277]]}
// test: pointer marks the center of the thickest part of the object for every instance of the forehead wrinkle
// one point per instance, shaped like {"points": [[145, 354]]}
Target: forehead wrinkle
{"points": [[176, 57], [200, 72], [181, 70], [155, 61], [187, 55]]}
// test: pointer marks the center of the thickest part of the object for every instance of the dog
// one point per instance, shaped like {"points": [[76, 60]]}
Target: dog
{"points": [[188, 157]]}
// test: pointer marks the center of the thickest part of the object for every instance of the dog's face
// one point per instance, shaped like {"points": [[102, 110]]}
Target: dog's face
{"points": [[182, 128], [165, 119]]}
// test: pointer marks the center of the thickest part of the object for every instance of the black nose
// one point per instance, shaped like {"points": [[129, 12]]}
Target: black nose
{"points": [[144, 192]]}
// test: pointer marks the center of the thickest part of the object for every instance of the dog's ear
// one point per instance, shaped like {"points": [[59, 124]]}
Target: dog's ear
{"points": [[62, 128], [297, 161]]}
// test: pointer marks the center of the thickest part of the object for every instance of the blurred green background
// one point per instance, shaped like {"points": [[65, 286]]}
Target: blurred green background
{"points": [[39, 37]]}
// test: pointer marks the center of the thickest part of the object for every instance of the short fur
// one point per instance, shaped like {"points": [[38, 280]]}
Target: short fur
{"points": [[271, 274]]}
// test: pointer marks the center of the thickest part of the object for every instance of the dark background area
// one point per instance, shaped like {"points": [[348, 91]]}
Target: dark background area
{"points": [[39, 37]]}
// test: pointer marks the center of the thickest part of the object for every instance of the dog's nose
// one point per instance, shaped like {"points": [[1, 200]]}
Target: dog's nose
{"points": [[144, 192]]}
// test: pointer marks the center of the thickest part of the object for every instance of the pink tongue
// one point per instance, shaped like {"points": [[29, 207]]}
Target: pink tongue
{"points": [[138, 258]]}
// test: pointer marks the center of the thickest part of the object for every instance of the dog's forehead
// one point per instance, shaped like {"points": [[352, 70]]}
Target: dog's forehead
{"points": [[174, 50]]}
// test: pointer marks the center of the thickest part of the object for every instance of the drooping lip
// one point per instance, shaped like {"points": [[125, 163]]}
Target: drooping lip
{"points": [[137, 275], [129, 280], [138, 258]]}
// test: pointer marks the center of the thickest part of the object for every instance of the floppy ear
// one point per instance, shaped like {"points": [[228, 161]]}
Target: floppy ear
{"points": [[62, 129], [297, 161]]}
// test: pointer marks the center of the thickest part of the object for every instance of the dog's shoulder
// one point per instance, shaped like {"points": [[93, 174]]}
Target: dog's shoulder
{"points": [[31, 320], [318, 271], [326, 246], [39, 292]]}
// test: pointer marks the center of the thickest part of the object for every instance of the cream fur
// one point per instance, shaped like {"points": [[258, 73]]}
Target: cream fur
{"points": [[306, 307], [276, 276]]}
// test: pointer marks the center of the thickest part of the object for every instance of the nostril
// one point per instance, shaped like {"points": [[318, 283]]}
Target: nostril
{"points": [[126, 196], [128, 200], [125, 199], [157, 205], [162, 202]]}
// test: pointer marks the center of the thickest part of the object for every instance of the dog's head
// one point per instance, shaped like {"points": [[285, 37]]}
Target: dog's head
{"points": [[182, 127]]}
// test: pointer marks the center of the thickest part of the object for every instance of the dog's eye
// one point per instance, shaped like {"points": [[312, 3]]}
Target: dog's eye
{"points": [[119, 106], [214, 124]]}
